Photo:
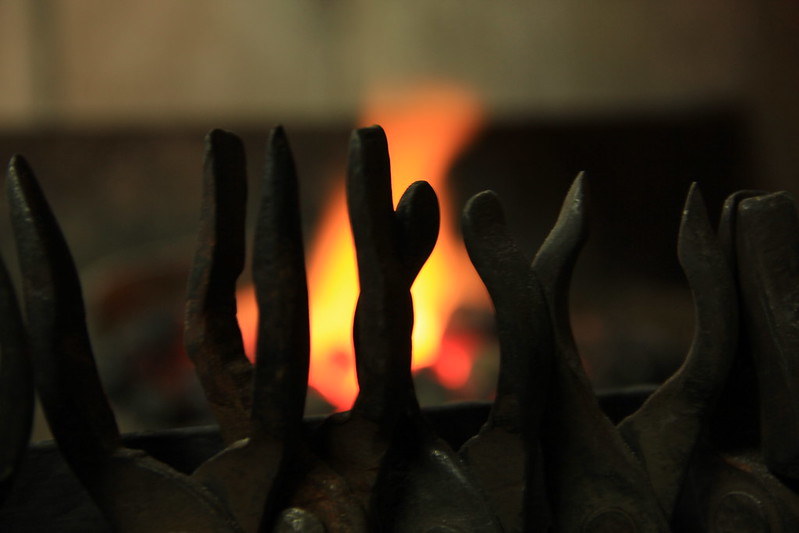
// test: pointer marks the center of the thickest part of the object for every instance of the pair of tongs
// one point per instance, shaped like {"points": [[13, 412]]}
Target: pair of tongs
{"points": [[235, 490], [406, 478], [749, 475], [260, 416], [597, 476], [135, 491]]}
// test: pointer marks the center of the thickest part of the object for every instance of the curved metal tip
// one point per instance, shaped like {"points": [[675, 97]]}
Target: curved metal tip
{"points": [[368, 146], [694, 201], [418, 219], [483, 210], [20, 175], [219, 137], [696, 234], [563, 243], [369, 153], [373, 131], [490, 247], [728, 223], [224, 156], [18, 164], [280, 170], [577, 194], [521, 312], [764, 205], [371, 137], [555, 261], [278, 138], [69, 386], [369, 201]]}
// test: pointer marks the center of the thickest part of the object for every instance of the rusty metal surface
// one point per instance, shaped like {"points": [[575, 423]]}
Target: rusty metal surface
{"points": [[212, 335], [546, 458], [506, 455], [245, 475]]}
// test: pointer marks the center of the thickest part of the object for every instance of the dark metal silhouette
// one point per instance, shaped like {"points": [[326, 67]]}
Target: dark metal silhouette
{"points": [[547, 458]]}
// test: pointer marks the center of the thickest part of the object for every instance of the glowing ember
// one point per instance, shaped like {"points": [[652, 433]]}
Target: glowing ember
{"points": [[426, 130]]}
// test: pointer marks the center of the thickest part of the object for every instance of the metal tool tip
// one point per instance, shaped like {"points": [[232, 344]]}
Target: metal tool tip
{"points": [[278, 142], [18, 165], [694, 201], [579, 181], [766, 203], [423, 190], [369, 134], [484, 208], [277, 134], [575, 197], [20, 177], [219, 138]]}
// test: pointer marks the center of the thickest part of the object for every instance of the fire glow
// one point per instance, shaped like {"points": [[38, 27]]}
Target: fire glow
{"points": [[426, 129]]}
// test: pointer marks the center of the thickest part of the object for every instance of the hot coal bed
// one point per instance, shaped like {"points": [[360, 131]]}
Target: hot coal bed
{"points": [[714, 448]]}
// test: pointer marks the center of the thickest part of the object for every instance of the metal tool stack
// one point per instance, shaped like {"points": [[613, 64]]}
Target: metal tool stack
{"points": [[715, 448]]}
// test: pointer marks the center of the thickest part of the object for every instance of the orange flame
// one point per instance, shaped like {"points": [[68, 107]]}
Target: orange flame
{"points": [[426, 129]]}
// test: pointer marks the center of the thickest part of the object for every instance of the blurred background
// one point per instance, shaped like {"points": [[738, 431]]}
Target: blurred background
{"points": [[110, 103]]}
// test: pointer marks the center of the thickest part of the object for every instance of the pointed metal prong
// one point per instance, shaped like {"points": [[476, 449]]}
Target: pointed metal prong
{"points": [[383, 447], [555, 260], [735, 423], [384, 313], [522, 317], [558, 254], [212, 336], [123, 482], [665, 430], [514, 485], [16, 385], [418, 220], [728, 224], [247, 475], [588, 465], [66, 376], [283, 352], [369, 204], [768, 269]]}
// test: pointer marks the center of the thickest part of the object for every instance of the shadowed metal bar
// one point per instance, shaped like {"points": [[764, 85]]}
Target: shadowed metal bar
{"points": [[16, 385], [664, 431], [212, 335], [134, 491], [249, 476], [768, 267], [506, 455], [595, 483]]}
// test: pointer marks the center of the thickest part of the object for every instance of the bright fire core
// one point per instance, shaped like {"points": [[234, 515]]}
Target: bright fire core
{"points": [[426, 129]]}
